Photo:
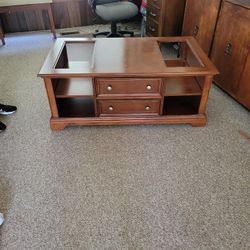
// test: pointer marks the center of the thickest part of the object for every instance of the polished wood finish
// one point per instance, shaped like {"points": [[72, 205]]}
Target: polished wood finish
{"points": [[132, 86], [164, 17], [111, 86], [231, 49], [181, 86], [73, 87], [51, 97], [29, 7], [200, 20], [129, 107]]}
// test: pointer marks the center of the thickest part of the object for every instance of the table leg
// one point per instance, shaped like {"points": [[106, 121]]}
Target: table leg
{"points": [[51, 21], [2, 33]]}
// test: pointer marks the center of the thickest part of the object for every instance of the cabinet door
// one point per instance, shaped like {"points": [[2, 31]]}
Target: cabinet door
{"points": [[243, 94], [230, 48], [200, 21]]}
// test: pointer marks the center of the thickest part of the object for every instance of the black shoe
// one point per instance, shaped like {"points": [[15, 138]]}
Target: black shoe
{"points": [[2, 127], [7, 109]]}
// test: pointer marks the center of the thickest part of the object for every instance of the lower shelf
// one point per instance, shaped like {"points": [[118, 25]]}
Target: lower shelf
{"points": [[181, 105], [81, 111], [76, 107]]}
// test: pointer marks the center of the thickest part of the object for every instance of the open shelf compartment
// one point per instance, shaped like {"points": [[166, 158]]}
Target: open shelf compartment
{"points": [[72, 87], [76, 107], [182, 86], [181, 105]]}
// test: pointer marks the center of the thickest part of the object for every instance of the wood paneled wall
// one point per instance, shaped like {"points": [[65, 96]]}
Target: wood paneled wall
{"points": [[67, 13], [72, 14]]}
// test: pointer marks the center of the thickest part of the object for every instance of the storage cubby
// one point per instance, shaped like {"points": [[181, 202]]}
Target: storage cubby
{"points": [[182, 95], [182, 86], [181, 105], [74, 97], [72, 87], [76, 107]]}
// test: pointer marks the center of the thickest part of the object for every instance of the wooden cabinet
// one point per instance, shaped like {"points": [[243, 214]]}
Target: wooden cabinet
{"points": [[164, 17], [243, 92], [155, 17], [200, 21], [231, 50]]}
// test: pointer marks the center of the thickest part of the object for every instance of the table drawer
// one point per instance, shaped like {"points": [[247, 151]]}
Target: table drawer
{"points": [[152, 27], [129, 107], [127, 86], [157, 3], [154, 13]]}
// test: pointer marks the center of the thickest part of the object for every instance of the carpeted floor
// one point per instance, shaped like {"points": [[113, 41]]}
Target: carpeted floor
{"points": [[117, 187]]}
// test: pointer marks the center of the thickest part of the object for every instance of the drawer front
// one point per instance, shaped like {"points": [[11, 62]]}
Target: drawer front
{"points": [[154, 13], [129, 107], [157, 3], [152, 28], [127, 86]]}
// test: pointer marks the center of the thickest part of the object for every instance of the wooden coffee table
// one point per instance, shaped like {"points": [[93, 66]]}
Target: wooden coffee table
{"points": [[109, 81]]}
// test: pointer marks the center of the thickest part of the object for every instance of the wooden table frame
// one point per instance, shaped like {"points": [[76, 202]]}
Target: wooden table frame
{"points": [[17, 8], [134, 85]]}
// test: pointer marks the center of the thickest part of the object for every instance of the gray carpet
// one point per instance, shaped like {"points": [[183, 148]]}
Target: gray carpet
{"points": [[117, 187]]}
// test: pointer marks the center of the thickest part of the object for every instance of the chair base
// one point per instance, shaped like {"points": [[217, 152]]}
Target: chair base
{"points": [[114, 32], [117, 34]]}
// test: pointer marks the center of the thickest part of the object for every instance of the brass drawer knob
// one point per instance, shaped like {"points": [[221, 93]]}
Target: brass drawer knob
{"points": [[196, 30], [109, 88], [111, 108], [151, 29], [149, 87], [228, 50], [147, 108], [152, 14]]}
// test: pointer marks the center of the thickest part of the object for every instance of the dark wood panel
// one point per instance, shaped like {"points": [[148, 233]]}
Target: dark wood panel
{"points": [[67, 13], [25, 21], [73, 14], [174, 12]]}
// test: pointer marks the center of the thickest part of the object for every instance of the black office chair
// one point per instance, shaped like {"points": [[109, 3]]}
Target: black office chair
{"points": [[113, 11]]}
